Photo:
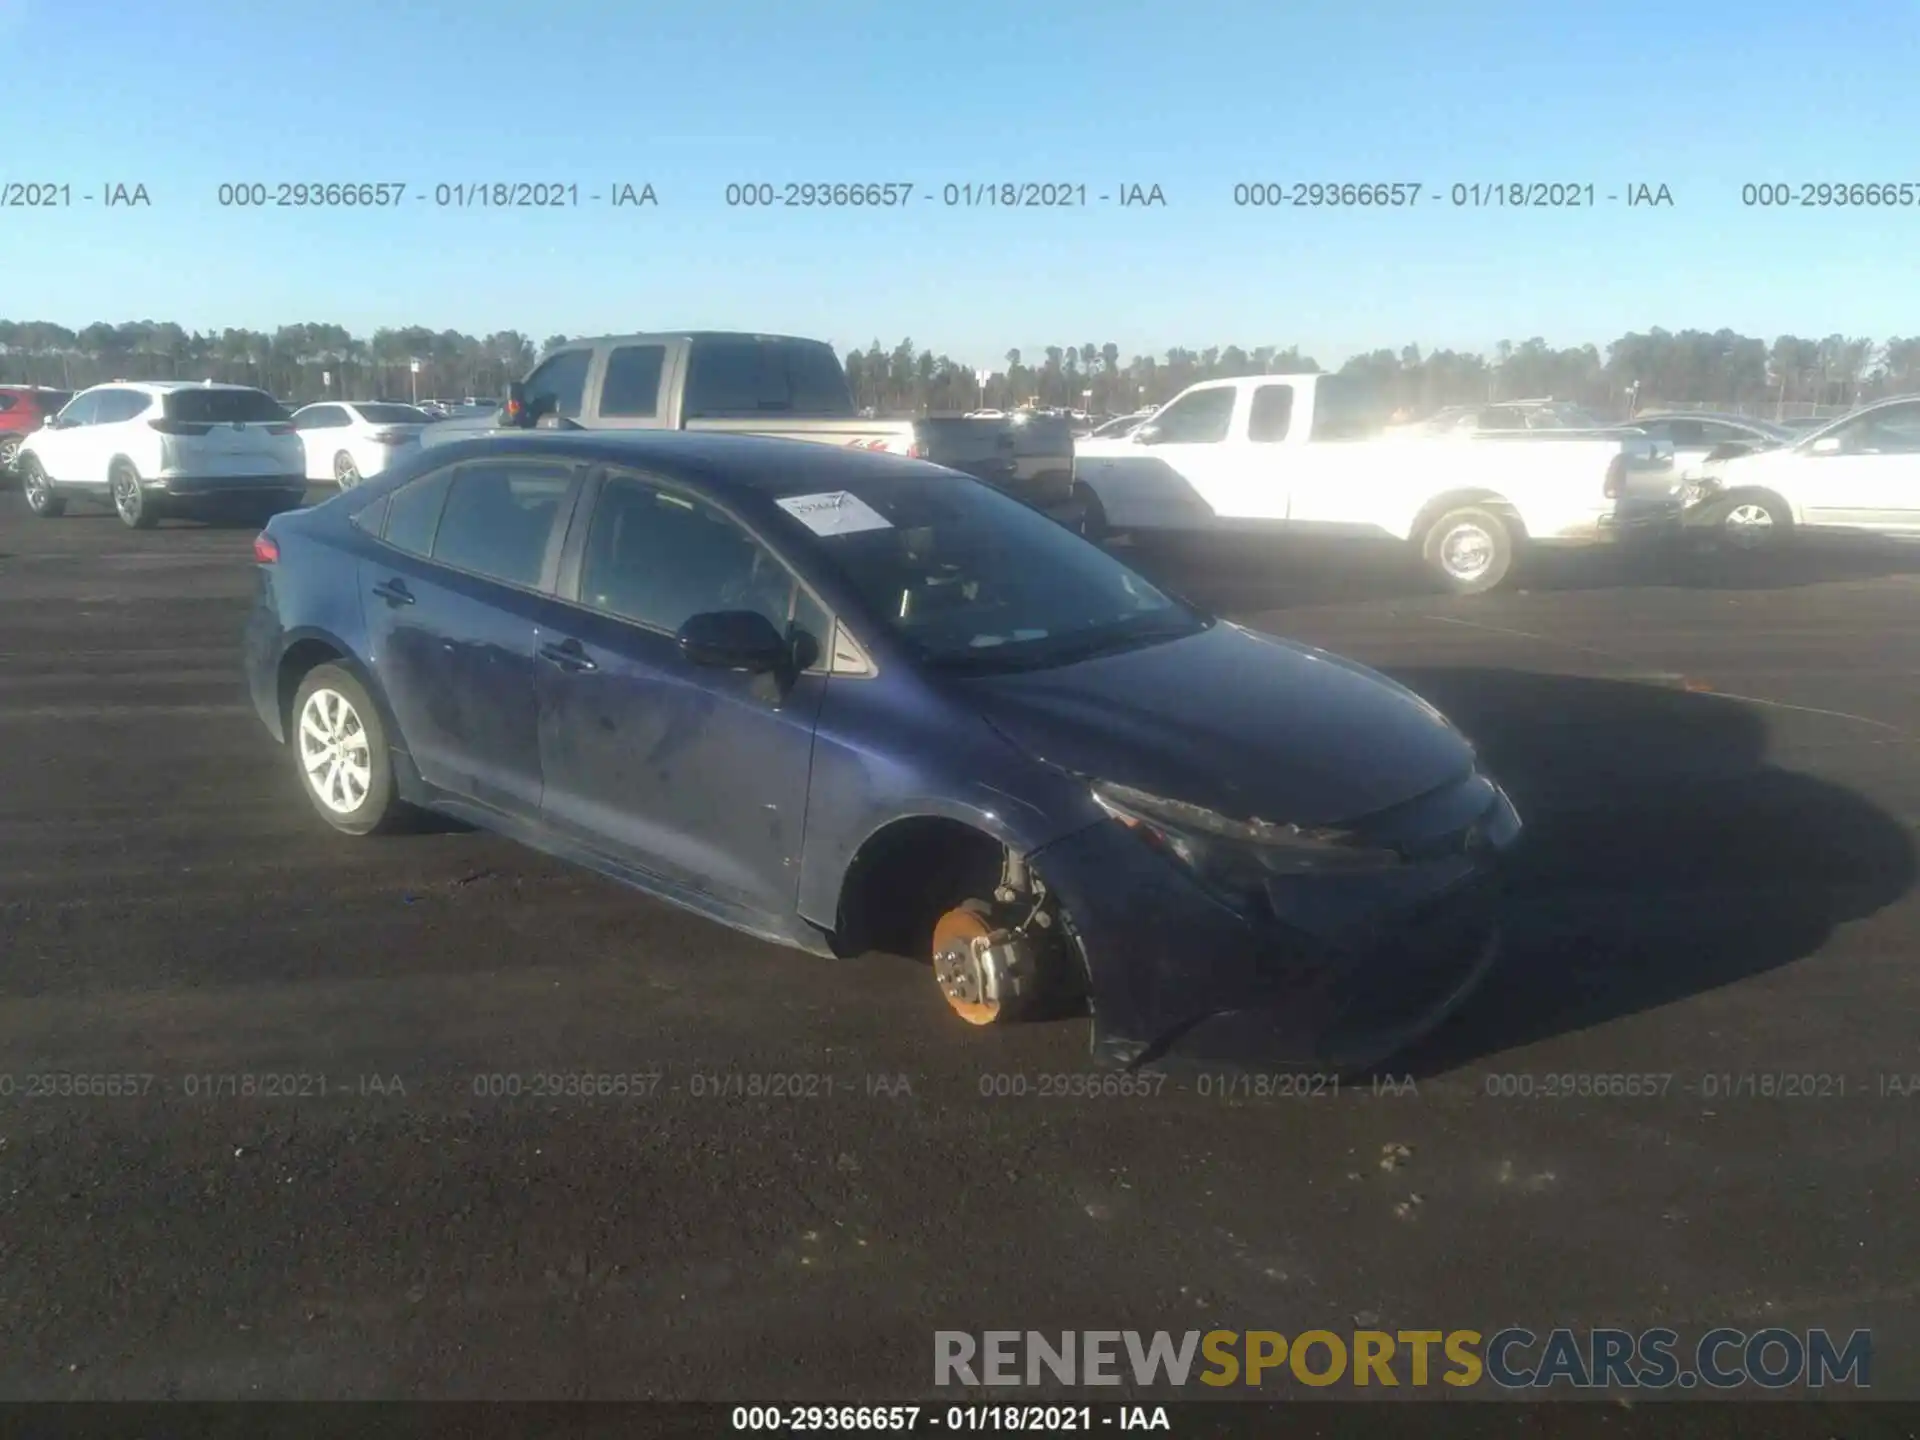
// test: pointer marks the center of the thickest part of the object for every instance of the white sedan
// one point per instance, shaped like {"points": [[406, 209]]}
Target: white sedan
{"points": [[348, 440], [1861, 473]]}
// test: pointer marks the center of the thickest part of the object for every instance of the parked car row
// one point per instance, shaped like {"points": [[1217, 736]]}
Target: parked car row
{"points": [[1469, 490]]}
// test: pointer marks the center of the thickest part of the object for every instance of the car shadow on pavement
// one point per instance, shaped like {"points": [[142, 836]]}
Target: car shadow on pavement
{"points": [[1665, 855]]}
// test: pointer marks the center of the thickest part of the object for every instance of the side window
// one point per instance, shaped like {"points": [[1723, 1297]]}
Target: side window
{"points": [[81, 410], [1892, 431], [372, 518], [1712, 432], [323, 417], [413, 513], [631, 388], [499, 518], [7, 402], [1501, 417], [1270, 415], [561, 379], [1687, 432], [661, 558], [1201, 418]]}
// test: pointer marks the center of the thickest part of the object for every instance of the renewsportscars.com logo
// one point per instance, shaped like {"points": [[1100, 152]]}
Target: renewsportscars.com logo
{"points": [[1511, 1359]]}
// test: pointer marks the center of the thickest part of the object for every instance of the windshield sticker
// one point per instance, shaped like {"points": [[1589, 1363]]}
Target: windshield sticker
{"points": [[838, 513]]}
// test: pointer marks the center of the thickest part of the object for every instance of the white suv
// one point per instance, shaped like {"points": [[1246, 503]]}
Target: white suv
{"points": [[143, 446]]}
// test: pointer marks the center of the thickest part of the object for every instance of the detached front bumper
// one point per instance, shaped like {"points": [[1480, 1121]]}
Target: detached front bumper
{"points": [[1335, 973]]}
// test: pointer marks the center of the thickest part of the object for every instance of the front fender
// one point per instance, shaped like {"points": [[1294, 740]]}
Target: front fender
{"points": [[1142, 493]]}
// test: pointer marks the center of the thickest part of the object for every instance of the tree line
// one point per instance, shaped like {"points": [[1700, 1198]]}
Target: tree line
{"points": [[1719, 369]]}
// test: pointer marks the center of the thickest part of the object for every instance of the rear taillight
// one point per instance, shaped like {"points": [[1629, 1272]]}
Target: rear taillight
{"points": [[280, 429], [179, 427], [916, 451], [1616, 478], [266, 550], [392, 437]]}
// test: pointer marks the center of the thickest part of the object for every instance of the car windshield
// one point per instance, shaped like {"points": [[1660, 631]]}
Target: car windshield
{"points": [[974, 581], [223, 407], [394, 415]]}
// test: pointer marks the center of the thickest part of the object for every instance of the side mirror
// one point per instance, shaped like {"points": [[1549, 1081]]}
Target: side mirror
{"points": [[1147, 435], [734, 640], [1825, 445]]}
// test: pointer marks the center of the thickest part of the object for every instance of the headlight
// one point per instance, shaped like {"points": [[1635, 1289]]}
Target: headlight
{"points": [[1237, 852]]}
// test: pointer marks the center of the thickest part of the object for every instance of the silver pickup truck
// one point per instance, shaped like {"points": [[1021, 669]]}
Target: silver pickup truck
{"points": [[763, 385]]}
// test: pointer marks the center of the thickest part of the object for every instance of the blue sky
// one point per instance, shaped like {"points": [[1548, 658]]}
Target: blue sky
{"points": [[1194, 98]]}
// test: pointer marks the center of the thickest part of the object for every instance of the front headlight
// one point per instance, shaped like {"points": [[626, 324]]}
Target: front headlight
{"points": [[1237, 852]]}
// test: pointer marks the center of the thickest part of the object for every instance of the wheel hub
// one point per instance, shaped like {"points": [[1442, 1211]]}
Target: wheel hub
{"points": [[980, 970], [1467, 551]]}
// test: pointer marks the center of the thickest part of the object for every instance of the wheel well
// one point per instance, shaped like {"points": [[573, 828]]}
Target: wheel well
{"points": [[302, 657], [905, 876], [1753, 492], [1459, 499]]}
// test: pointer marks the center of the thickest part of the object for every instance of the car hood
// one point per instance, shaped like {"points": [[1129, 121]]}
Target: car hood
{"points": [[1242, 723]]}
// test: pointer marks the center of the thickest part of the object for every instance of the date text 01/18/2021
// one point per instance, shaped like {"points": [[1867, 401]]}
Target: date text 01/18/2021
{"points": [[1461, 195], [931, 1420], [966, 195]]}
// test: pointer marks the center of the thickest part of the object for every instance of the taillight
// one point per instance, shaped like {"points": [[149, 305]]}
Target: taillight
{"points": [[179, 427], [279, 429], [266, 550], [1616, 478], [391, 437], [916, 451]]}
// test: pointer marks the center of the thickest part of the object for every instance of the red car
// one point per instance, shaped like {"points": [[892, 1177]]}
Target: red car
{"points": [[23, 409]]}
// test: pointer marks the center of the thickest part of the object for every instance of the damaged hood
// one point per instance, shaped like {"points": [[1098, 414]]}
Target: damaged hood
{"points": [[1242, 723]]}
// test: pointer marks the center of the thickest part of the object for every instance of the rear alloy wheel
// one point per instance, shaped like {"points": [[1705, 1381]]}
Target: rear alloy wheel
{"points": [[39, 490], [340, 748], [1754, 523], [130, 500], [966, 965], [346, 474], [1470, 549]]}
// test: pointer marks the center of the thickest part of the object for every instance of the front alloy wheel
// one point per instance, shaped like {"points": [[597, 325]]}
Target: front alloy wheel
{"points": [[39, 490], [1752, 524]]}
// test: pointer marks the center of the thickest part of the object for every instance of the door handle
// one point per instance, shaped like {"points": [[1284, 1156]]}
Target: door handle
{"points": [[394, 592], [569, 655]]}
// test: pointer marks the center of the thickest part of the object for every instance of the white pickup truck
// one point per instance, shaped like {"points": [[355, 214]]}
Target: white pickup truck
{"points": [[1303, 455]]}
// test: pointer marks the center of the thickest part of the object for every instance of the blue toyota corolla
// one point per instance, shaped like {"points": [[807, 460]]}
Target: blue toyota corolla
{"points": [[851, 702]]}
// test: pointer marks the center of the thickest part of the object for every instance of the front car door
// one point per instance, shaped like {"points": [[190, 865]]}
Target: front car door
{"points": [[694, 775], [1865, 474], [1174, 474], [62, 448], [454, 605]]}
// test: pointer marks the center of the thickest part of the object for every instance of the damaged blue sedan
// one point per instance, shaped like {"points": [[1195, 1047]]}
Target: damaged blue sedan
{"points": [[851, 702]]}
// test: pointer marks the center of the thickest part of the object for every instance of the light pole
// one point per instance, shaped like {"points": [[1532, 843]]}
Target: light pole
{"points": [[982, 376], [414, 367], [1086, 403]]}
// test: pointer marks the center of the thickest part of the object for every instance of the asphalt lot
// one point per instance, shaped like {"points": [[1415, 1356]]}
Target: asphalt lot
{"points": [[1721, 779]]}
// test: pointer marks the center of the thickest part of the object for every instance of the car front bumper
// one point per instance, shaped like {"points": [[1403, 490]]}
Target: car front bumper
{"points": [[1336, 974]]}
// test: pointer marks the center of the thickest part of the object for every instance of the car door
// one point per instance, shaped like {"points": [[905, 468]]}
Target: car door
{"points": [[320, 428], [454, 601], [1865, 474], [1186, 442], [60, 447], [696, 775]]}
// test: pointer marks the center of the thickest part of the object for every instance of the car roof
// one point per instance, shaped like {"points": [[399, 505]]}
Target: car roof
{"points": [[757, 464], [167, 387], [661, 336]]}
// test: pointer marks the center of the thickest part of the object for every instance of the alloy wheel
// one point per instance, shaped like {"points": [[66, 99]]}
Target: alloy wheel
{"points": [[334, 752]]}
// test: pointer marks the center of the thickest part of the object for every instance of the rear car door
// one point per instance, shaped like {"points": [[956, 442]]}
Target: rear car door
{"points": [[696, 775], [322, 430], [453, 607]]}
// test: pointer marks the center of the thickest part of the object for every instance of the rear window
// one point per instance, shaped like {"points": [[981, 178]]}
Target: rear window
{"points": [[223, 407], [394, 415], [764, 377]]}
